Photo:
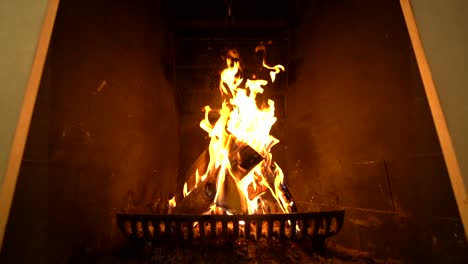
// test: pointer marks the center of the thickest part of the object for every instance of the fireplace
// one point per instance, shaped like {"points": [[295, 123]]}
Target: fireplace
{"points": [[116, 125]]}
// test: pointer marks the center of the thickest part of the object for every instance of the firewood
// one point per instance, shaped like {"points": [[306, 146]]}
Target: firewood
{"points": [[230, 197], [242, 159], [199, 200], [200, 164]]}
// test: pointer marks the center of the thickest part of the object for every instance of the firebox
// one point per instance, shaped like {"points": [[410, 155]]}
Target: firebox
{"points": [[232, 131]]}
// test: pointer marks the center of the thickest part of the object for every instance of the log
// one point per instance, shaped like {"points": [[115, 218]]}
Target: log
{"points": [[200, 164], [242, 158], [270, 175], [199, 199], [230, 196]]}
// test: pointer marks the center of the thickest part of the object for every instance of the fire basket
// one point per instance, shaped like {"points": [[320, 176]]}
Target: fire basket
{"points": [[293, 226], [235, 190]]}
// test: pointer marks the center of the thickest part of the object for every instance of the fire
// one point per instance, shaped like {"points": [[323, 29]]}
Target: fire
{"points": [[242, 127], [172, 202]]}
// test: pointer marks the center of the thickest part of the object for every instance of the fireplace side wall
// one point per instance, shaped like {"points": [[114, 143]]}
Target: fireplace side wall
{"points": [[361, 136], [105, 122]]}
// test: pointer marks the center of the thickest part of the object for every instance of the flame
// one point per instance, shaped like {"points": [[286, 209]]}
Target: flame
{"points": [[276, 69], [185, 193], [242, 122], [172, 202], [198, 179]]}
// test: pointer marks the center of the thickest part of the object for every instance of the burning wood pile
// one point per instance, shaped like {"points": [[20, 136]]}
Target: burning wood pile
{"points": [[237, 174], [234, 190]]}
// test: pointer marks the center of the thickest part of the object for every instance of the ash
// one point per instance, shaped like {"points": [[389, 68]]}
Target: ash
{"points": [[242, 251]]}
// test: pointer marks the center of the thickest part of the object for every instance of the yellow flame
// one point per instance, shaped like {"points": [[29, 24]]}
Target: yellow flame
{"points": [[172, 202], [198, 179], [185, 192], [243, 121]]}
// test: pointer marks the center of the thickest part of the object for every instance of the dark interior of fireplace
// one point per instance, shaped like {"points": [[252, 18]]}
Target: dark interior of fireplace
{"points": [[116, 125]]}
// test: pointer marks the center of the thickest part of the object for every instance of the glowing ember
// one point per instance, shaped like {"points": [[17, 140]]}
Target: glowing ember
{"points": [[242, 129]]}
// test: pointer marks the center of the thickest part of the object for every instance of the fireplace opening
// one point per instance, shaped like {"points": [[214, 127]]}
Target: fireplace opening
{"points": [[116, 148]]}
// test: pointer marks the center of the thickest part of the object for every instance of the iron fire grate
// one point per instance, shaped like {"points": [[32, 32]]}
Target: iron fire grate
{"points": [[150, 227]]}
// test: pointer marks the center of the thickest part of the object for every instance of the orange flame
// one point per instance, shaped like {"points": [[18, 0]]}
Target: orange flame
{"points": [[242, 121], [172, 202]]}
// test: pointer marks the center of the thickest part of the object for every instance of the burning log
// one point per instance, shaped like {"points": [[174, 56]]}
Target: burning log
{"points": [[236, 173], [230, 197], [242, 159], [200, 165], [199, 200]]}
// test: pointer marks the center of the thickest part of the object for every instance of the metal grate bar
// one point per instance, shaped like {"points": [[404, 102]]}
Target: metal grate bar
{"points": [[192, 227]]}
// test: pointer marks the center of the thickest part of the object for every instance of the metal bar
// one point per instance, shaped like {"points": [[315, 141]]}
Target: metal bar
{"points": [[312, 225], [179, 233], [247, 229], [281, 230], [236, 229], [305, 226], [213, 229], [293, 229], [201, 226], [270, 229], [259, 229], [146, 232], [225, 229], [190, 230]]}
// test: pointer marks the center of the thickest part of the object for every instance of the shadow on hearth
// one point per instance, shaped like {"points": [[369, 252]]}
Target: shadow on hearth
{"points": [[263, 251]]}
